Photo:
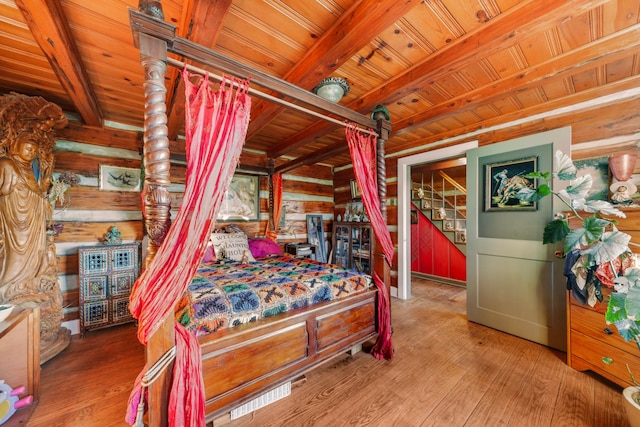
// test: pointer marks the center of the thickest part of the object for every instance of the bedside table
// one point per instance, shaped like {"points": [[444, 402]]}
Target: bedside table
{"points": [[301, 249]]}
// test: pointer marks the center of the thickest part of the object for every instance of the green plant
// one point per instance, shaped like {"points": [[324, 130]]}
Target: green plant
{"points": [[598, 238]]}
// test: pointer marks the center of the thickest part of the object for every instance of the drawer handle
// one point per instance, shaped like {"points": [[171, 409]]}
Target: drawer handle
{"points": [[607, 360], [608, 331]]}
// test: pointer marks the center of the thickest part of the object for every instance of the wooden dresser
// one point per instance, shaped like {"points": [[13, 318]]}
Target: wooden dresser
{"points": [[594, 345], [20, 358]]}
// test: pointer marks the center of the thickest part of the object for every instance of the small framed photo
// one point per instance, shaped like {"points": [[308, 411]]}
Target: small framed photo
{"points": [[448, 225], [425, 204], [355, 190], [414, 216], [117, 178], [504, 180], [241, 201], [460, 237]]}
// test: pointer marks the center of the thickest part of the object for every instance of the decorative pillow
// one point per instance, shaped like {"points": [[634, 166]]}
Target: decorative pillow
{"points": [[209, 254], [231, 246], [263, 247]]}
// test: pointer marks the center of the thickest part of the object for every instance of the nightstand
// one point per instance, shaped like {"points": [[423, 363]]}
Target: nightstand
{"points": [[301, 249]]}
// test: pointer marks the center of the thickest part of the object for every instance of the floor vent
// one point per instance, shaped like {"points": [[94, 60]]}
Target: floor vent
{"points": [[263, 400]]}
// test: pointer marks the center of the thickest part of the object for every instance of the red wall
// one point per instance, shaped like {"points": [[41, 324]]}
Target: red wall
{"points": [[433, 253]]}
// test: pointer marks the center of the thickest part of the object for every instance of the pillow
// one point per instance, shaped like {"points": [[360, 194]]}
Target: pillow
{"points": [[231, 246], [209, 254], [263, 247]]}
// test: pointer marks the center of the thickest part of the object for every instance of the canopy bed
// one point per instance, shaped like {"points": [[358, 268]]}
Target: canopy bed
{"points": [[239, 363]]}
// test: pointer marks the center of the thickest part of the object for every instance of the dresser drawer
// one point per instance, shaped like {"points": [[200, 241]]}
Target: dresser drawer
{"points": [[604, 357], [592, 323]]}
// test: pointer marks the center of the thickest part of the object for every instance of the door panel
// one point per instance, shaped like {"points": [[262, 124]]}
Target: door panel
{"points": [[514, 282]]}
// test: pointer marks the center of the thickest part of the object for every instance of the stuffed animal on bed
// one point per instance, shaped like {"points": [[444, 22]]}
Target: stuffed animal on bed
{"points": [[9, 400]]}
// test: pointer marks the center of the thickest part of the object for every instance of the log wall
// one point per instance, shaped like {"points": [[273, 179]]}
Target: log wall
{"points": [[91, 212]]}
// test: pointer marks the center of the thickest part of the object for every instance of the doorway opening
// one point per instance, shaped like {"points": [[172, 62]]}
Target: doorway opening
{"points": [[404, 211]]}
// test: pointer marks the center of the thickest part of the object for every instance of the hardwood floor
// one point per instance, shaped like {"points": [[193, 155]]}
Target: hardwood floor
{"points": [[446, 371]]}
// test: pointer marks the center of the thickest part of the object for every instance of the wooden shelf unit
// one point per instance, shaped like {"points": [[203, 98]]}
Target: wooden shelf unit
{"points": [[353, 245]]}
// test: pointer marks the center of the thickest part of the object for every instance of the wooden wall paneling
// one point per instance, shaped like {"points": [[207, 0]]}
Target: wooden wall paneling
{"points": [[87, 164], [76, 231], [91, 198], [106, 137]]}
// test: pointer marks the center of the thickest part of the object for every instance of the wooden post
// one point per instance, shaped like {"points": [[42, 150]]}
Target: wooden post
{"points": [[382, 266], [157, 206]]}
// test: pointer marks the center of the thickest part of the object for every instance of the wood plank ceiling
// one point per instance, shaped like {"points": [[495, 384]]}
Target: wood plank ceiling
{"points": [[443, 68]]}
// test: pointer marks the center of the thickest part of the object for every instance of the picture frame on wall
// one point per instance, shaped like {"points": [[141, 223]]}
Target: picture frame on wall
{"points": [[414, 216], [355, 190], [598, 168], [504, 179], [460, 237], [315, 236], [118, 178], [241, 201]]}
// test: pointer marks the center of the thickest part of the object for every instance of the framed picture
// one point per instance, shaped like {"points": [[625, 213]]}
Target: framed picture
{"points": [[448, 225], [503, 181], [460, 237], [315, 236], [598, 168], [241, 201], [414, 216], [425, 204], [355, 190], [117, 178]]}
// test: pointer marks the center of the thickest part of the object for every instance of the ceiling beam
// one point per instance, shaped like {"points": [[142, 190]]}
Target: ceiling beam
{"points": [[354, 29], [203, 24], [49, 27], [528, 17]]}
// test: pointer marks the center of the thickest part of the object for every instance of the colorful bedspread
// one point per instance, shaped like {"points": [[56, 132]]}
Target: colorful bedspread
{"points": [[229, 294]]}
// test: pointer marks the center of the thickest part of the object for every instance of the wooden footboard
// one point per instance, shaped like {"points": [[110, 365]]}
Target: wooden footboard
{"points": [[241, 363]]}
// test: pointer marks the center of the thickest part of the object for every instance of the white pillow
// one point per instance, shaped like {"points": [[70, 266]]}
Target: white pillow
{"points": [[231, 246]]}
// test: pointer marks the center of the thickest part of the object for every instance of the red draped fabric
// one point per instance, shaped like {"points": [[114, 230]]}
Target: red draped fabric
{"points": [[363, 156], [216, 127], [276, 191]]}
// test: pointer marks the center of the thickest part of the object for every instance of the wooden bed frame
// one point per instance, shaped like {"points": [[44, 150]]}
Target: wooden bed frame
{"points": [[241, 363]]}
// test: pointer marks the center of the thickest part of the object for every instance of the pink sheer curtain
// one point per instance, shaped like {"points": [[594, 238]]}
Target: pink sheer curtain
{"points": [[276, 190], [362, 147], [216, 126]]}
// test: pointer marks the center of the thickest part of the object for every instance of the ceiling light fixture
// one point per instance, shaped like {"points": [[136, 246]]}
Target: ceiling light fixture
{"points": [[332, 88]]}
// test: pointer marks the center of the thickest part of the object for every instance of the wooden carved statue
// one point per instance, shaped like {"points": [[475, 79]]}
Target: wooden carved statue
{"points": [[28, 271]]}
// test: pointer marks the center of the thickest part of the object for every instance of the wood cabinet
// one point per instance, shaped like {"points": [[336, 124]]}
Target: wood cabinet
{"points": [[106, 275], [20, 357], [592, 344], [353, 245]]}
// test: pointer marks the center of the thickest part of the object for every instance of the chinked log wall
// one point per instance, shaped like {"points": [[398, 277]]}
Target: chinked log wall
{"points": [[307, 190], [92, 212]]}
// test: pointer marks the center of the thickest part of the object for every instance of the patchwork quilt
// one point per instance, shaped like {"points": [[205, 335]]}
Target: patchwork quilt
{"points": [[230, 294]]}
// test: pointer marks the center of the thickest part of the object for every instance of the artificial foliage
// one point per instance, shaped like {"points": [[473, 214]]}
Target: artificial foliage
{"points": [[597, 237]]}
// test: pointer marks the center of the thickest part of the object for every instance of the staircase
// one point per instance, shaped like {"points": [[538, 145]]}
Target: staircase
{"points": [[443, 201]]}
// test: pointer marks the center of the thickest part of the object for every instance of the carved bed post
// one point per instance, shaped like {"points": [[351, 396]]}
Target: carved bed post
{"points": [[383, 128], [156, 198]]}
